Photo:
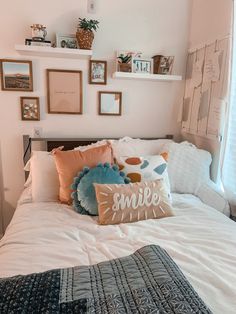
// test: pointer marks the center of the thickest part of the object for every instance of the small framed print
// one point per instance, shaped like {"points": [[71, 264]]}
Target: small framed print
{"points": [[141, 65], [65, 91], [16, 75], [66, 41], [166, 65], [97, 72], [110, 103], [30, 110]]}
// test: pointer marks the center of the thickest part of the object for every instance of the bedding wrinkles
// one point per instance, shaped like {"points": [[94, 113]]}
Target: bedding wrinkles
{"points": [[202, 242]]}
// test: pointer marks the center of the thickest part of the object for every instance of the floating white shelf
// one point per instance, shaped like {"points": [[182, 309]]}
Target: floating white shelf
{"points": [[54, 52], [148, 77]]}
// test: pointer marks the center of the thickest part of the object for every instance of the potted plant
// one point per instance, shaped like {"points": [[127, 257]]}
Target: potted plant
{"points": [[85, 33], [124, 62]]}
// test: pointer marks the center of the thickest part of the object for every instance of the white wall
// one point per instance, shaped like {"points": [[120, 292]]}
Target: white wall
{"points": [[210, 20], [149, 108]]}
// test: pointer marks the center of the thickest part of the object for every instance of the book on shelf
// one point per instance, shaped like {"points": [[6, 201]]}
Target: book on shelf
{"points": [[32, 42]]}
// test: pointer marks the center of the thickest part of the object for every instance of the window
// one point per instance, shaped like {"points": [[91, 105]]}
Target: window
{"points": [[229, 163]]}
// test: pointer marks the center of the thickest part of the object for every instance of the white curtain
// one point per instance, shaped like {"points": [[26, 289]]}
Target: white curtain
{"points": [[229, 162]]}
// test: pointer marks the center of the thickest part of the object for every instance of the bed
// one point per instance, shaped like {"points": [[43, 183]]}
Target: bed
{"points": [[199, 238]]}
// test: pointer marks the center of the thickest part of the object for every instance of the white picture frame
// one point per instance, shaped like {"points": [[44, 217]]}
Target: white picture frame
{"points": [[141, 65], [67, 41]]}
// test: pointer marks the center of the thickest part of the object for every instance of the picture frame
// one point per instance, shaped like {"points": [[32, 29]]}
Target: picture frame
{"points": [[166, 65], [16, 75], [67, 41], [98, 72], [64, 91], [110, 103], [140, 65], [30, 109]]}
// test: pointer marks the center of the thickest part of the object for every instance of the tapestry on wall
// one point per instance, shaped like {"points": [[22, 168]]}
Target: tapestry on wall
{"points": [[206, 90]]}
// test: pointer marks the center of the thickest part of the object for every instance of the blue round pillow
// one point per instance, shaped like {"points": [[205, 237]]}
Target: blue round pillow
{"points": [[84, 196]]}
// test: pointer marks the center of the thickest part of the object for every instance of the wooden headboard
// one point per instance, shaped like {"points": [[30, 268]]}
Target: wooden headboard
{"points": [[68, 143]]}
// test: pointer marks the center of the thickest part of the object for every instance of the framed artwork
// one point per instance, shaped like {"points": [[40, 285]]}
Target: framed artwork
{"points": [[30, 110], [66, 41], [97, 72], [141, 65], [65, 91], [166, 65], [16, 75], [110, 103]]}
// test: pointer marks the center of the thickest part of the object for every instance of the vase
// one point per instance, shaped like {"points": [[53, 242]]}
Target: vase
{"points": [[85, 39], [124, 67]]}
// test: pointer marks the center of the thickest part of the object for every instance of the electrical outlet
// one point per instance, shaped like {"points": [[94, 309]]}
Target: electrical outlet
{"points": [[92, 6], [37, 132]]}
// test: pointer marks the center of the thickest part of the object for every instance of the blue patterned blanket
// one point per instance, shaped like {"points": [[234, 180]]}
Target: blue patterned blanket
{"points": [[147, 281]]}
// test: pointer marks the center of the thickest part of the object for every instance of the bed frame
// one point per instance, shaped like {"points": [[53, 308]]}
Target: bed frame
{"points": [[68, 143]]}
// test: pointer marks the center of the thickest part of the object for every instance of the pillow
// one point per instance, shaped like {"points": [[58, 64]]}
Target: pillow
{"points": [[132, 202], [136, 147], [43, 177], [26, 196], [86, 147], [84, 197], [69, 163], [146, 168], [188, 167], [211, 194]]}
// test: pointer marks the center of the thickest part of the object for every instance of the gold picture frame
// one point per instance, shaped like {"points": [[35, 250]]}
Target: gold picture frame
{"points": [[110, 104], [98, 72], [64, 91], [30, 109], [16, 75]]}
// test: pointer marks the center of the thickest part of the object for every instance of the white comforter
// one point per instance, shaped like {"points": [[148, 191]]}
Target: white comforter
{"points": [[201, 240]]}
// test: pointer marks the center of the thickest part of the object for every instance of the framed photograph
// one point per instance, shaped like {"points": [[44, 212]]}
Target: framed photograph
{"points": [[66, 41], [110, 103], [16, 75], [97, 72], [30, 110], [141, 65], [166, 65], [65, 91]]}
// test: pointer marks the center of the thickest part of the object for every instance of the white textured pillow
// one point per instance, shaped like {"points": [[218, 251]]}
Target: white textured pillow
{"points": [[128, 146], [210, 194], [45, 181], [26, 196], [93, 145], [188, 167]]}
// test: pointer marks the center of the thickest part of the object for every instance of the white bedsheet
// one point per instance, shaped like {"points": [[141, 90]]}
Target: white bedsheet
{"points": [[201, 241]]}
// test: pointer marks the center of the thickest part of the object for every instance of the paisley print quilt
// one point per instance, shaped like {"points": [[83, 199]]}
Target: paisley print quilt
{"points": [[147, 281]]}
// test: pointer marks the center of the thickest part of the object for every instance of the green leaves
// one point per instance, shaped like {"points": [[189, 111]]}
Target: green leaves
{"points": [[89, 25], [124, 58]]}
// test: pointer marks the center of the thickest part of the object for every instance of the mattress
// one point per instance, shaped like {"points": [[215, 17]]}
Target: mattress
{"points": [[201, 240]]}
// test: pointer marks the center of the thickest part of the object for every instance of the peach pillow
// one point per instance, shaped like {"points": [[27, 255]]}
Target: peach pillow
{"points": [[120, 203], [69, 163]]}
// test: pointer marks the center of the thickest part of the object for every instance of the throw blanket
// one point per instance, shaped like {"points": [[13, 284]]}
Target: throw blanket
{"points": [[147, 281]]}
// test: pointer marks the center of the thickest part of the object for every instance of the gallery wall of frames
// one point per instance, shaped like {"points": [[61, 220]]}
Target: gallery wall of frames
{"points": [[65, 87], [115, 107]]}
